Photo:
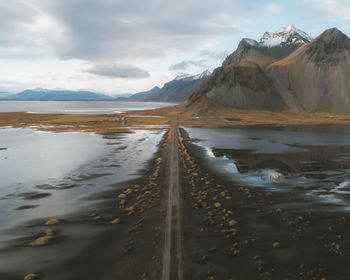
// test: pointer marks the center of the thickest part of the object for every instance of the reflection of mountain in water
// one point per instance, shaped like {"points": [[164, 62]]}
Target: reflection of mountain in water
{"points": [[315, 159]]}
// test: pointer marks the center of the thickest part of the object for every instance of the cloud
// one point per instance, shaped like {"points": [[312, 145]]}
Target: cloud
{"points": [[273, 8], [340, 9], [214, 54], [118, 71], [179, 66], [185, 64], [130, 31]]}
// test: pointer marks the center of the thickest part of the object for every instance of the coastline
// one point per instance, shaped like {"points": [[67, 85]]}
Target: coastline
{"points": [[227, 227], [101, 239]]}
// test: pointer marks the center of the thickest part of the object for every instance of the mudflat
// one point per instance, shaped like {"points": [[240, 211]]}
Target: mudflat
{"points": [[179, 219]]}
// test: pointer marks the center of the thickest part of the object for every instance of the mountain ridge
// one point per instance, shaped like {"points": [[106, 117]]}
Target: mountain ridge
{"points": [[311, 76], [177, 90]]}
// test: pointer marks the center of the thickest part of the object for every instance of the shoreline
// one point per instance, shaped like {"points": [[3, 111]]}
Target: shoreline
{"points": [[228, 228], [96, 234], [237, 230]]}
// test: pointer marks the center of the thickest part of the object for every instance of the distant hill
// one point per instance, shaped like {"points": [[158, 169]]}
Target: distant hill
{"points": [[121, 96], [4, 94], [46, 94], [144, 94], [177, 90], [285, 70]]}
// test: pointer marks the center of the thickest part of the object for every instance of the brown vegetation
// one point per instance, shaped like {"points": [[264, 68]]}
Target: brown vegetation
{"points": [[200, 114]]}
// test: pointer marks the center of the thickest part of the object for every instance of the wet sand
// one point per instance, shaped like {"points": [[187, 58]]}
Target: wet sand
{"points": [[228, 230], [118, 237], [239, 232]]}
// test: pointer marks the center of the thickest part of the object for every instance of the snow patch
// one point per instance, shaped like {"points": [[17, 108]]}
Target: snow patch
{"points": [[289, 35], [188, 77]]}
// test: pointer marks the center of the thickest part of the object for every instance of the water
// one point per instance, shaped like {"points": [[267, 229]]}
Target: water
{"points": [[47, 175], [33, 156], [314, 161], [78, 107]]}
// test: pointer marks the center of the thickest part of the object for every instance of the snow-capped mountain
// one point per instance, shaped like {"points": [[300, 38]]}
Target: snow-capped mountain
{"points": [[272, 45], [285, 71], [182, 76], [176, 90], [285, 36], [202, 75], [188, 77]]}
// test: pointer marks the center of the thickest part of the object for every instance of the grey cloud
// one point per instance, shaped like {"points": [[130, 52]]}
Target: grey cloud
{"points": [[179, 66], [185, 64], [119, 71], [99, 31], [15, 17], [133, 30], [214, 54]]}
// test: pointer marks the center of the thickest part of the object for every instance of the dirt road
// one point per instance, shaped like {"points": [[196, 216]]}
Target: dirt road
{"points": [[172, 251]]}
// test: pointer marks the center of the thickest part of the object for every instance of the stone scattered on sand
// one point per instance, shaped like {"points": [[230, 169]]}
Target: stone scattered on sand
{"points": [[30, 276], [51, 222], [276, 245], [217, 204], [43, 240], [115, 221], [232, 223], [128, 191]]}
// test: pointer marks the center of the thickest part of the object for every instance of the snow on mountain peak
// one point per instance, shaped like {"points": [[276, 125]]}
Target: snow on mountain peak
{"points": [[285, 36], [202, 75], [188, 77], [182, 76]]}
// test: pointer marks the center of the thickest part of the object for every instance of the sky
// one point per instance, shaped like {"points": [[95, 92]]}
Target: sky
{"points": [[127, 46]]}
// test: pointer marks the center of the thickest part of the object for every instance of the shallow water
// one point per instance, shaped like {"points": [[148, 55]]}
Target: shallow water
{"points": [[78, 107], [45, 175], [313, 162]]}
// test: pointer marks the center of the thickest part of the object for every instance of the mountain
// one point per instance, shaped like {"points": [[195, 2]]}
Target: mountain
{"points": [[286, 36], [271, 46], [316, 76], [177, 90], [142, 95], [121, 96], [4, 95], [46, 94], [284, 70]]}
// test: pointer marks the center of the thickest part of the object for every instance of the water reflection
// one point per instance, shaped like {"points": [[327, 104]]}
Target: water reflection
{"points": [[51, 174], [78, 107], [314, 160]]}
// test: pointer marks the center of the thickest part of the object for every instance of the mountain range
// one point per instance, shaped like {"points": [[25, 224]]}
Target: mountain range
{"points": [[286, 69], [46, 94], [176, 90], [60, 94]]}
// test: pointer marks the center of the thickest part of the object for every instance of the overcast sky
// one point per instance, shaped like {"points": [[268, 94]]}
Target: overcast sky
{"points": [[126, 46]]}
